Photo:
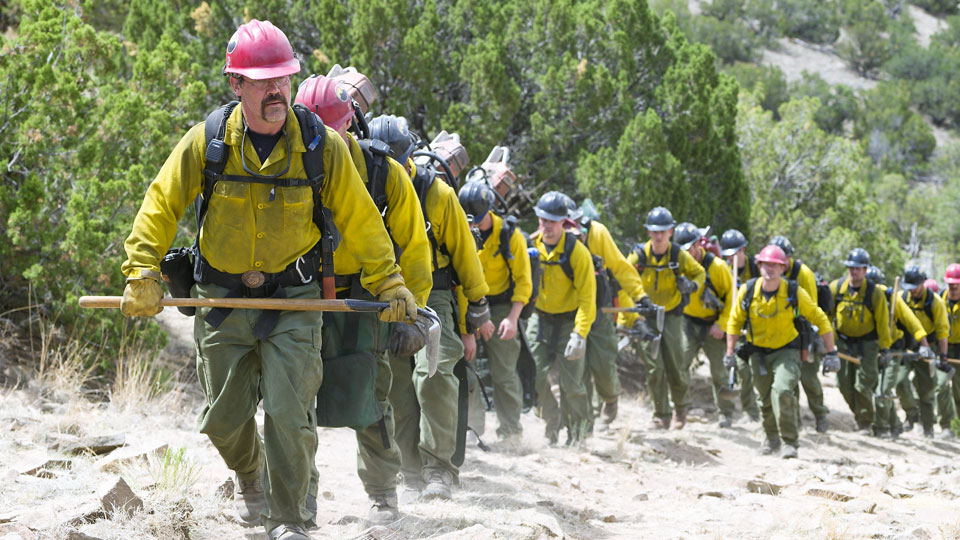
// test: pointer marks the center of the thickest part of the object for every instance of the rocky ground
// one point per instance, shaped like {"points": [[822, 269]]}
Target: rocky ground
{"points": [[626, 482]]}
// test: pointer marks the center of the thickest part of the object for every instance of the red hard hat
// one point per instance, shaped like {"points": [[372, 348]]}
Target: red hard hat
{"points": [[931, 285], [259, 50], [772, 254], [952, 275], [328, 98]]}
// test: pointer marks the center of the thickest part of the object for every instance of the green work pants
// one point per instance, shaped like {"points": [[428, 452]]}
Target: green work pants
{"points": [[810, 381], [547, 336], [502, 358], [601, 360], [697, 338], [377, 466], [905, 391], [886, 410], [954, 352], [667, 369], [425, 408], [778, 393], [234, 368], [926, 388], [748, 397], [857, 384], [946, 409]]}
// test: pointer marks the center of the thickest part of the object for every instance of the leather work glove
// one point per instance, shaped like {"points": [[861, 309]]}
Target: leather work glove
{"points": [[883, 361], [403, 307], [942, 363], [686, 285], [926, 352], [831, 362], [407, 339], [141, 298], [576, 347], [729, 361], [478, 313], [646, 303]]}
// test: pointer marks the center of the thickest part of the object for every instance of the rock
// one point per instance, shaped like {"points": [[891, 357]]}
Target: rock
{"points": [[717, 494], [827, 494], [859, 506], [226, 489], [16, 531], [641, 497], [762, 487], [87, 513], [7, 517], [327, 495], [610, 519], [474, 532], [77, 535], [346, 520], [531, 517], [119, 496], [42, 467], [94, 445], [374, 533], [921, 533], [117, 460]]}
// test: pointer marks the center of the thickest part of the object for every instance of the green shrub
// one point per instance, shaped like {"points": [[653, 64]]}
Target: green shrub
{"points": [[838, 104], [937, 7], [771, 78], [817, 22]]}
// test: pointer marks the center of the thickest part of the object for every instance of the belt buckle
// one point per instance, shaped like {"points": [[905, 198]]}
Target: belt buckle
{"points": [[252, 279]]}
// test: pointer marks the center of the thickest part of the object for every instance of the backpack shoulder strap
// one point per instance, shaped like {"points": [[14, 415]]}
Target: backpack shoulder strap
{"points": [[641, 250], [792, 294], [754, 269], [215, 156], [569, 244], [707, 261], [506, 233], [375, 154], [840, 283], [674, 259], [794, 270], [928, 305], [748, 296]]}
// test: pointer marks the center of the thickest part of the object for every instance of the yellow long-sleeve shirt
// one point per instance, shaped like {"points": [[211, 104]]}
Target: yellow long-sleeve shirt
{"points": [[452, 231], [658, 279], [772, 319], [406, 226], [953, 314], [940, 324], [560, 294], [600, 243], [496, 271], [721, 279], [903, 315], [857, 316], [805, 278], [255, 226]]}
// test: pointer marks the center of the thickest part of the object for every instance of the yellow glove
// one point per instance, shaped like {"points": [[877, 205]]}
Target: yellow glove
{"points": [[141, 298], [403, 306]]}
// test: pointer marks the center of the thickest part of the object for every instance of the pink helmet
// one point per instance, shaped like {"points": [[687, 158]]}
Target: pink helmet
{"points": [[772, 254], [328, 98], [931, 285], [259, 50], [952, 275]]}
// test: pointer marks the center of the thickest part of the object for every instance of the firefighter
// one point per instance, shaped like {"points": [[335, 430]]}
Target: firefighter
{"points": [[601, 357], [425, 408], [951, 298], [767, 307], [705, 317], [258, 239], [932, 313], [346, 334], [810, 369], [506, 269], [862, 319], [733, 248], [669, 276], [565, 311]]}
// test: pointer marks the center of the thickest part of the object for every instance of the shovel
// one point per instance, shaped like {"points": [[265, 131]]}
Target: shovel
{"points": [[289, 304], [645, 314]]}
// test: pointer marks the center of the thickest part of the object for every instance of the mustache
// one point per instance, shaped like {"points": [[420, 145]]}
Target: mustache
{"points": [[274, 98]]}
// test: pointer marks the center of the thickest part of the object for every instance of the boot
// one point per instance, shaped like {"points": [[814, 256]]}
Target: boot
{"points": [[911, 421], [821, 424], [610, 411], [288, 531], [679, 418], [383, 508], [726, 421], [661, 422], [438, 486], [788, 451], [769, 446], [249, 500]]}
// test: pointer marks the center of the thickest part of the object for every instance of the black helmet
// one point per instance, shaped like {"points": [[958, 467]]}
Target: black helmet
{"points": [[552, 206], [477, 199], [782, 243], [573, 211], [875, 275], [858, 258], [394, 131], [687, 233], [731, 241], [659, 219], [913, 278]]}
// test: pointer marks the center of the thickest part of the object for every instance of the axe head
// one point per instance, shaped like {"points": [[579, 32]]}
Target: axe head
{"points": [[433, 339], [654, 349], [660, 315]]}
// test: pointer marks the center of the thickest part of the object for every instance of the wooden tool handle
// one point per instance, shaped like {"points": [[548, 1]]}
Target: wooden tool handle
{"points": [[284, 304]]}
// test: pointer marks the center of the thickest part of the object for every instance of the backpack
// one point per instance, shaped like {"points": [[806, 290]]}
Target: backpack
{"points": [[826, 301], [375, 153], [314, 137], [422, 182], [506, 233]]}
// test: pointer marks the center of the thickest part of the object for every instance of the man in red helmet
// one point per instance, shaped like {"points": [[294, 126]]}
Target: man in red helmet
{"points": [[349, 334], [259, 238], [767, 308], [951, 297]]}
